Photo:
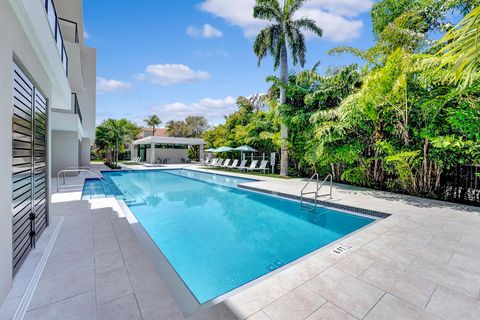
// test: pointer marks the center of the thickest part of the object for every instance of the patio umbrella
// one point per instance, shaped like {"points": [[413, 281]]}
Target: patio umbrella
{"points": [[210, 150], [223, 149], [245, 148]]}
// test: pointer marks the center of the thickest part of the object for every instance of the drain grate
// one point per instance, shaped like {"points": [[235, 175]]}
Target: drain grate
{"points": [[342, 248]]}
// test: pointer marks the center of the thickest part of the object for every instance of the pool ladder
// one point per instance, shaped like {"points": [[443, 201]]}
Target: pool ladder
{"points": [[319, 186]]}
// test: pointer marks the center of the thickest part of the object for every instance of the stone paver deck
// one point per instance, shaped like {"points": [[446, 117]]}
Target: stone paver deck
{"points": [[422, 262]]}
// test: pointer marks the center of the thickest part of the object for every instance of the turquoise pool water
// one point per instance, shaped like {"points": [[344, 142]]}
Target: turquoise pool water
{"points": [[218, 237]]}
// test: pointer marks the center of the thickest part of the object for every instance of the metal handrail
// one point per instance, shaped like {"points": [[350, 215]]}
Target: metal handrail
{"points": [[120, 187], [310, 180], [78, 170], [318, 187]]}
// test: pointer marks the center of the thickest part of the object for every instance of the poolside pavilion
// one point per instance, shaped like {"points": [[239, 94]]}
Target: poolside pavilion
{"points": [[155, 149]]}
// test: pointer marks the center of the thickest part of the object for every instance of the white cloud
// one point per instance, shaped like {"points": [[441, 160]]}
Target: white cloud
{"points": [[168, 74], [211, 32], [338, 18], [347, 8], [193, 31], [86, 35], [236, 12], [212, 109], [207, 31], [335, 27], [108, 85]]}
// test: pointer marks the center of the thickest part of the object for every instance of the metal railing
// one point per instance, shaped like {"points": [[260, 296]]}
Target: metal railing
{"points": [[56, 32], [128, 196], [78, 170], [74, 37], [319, 186], [76, 106]]}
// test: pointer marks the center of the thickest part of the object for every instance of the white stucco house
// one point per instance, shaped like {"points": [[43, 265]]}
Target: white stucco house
{"points": [[47, 115]]}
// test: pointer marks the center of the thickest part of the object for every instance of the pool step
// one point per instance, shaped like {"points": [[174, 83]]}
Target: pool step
{"points": [[96, 188], [308, 208]]}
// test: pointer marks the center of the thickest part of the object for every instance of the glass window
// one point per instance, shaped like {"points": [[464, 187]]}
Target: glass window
{"points": [[171, 146]]}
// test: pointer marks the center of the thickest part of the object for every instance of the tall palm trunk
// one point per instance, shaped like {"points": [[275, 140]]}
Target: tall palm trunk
{"points": [[283, 100]]}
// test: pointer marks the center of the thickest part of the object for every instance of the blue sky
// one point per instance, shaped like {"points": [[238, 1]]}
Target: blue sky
{"points": [[195, 57]]}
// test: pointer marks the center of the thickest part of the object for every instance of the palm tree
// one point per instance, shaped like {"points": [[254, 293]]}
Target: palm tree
{"points": [[462, 49], [112, 134], [153, 122], [283, 31]]}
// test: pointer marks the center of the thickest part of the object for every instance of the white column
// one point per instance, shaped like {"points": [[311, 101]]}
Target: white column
{"points": [[152, 153], [201, 155]]}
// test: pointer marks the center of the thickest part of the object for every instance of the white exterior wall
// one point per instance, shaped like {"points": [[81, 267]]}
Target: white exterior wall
{"points": [[20, 41], [27, 40], [65, 145], [82, 79], [87, 97], [85, 152]]}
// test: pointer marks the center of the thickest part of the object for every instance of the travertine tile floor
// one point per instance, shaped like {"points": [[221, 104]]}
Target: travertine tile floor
{"points": [[423, 262]]}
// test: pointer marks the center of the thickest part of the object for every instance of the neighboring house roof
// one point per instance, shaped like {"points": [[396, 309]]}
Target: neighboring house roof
{"points": [[147, 132]]}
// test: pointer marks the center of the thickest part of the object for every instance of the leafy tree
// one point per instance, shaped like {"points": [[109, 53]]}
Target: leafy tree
{"points": [[250, 125], [153, 122], [284, 31], [112, 135], [413, 25], [392, 124], [461, 49], [191, 127]]}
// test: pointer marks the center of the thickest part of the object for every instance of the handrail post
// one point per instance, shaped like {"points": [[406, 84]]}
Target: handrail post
{"points": [[318, 187], [331, 185]]}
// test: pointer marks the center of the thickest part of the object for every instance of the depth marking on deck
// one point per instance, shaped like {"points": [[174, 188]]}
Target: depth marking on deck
{"points": [[342, 248], [32, 286]]}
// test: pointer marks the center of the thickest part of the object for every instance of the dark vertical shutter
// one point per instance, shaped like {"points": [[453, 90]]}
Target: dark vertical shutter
{"points": [[29, 207], [39, 163]]}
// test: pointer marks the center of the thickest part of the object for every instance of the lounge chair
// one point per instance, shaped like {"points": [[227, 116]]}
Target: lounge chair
{"points": [[226, 163], [218, 164], [243, 165], [213, 163], [136, 159], [206, 162], [233, 165], [263, 167], [252, 165]]}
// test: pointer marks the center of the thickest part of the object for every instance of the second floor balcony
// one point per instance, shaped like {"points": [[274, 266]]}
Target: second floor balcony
{"points": [[53, 20]]}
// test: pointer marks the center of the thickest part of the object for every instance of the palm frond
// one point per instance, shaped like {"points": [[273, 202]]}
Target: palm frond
{"points": [[309, 25], [292, 6], [266, 11], [298, 48], [461, 50], [262, 44]]}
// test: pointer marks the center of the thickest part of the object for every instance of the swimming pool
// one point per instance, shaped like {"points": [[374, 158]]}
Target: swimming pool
{"points": [[218, 237]]}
